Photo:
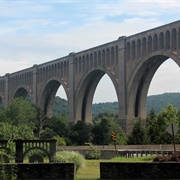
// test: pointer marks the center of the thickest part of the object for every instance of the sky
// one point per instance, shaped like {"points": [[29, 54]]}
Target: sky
{"points": [[37, 31]]}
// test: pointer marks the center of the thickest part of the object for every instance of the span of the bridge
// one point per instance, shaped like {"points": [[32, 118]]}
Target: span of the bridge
{"points": [[130, 62]]}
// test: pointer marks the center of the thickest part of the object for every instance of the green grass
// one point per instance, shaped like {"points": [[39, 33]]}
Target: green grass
{"points": [[91, 170]]}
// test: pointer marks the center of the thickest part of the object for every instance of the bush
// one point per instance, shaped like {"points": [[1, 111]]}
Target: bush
{"points": [[174, 157], [59, 140], [70, 156], [7, 172], [93, 154]]}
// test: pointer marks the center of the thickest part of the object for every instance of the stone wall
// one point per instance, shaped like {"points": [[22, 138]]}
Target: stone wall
{"points": [[141, 170], [43, 171]]}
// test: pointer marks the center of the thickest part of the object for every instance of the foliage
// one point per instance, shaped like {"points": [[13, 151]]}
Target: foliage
{"points": [[174, 157], [104, 125], [59, 140], [161, 101], [36, 152], [157, 126], [60, 106], [94, 153], [19, 112], [9, 131], [133, 159], [70, 156], [81, 133], [158, 102], [59, 124], [104, 107], [138, 134], [8, 172]]}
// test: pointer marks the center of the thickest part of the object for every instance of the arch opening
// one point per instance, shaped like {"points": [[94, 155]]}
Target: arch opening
{"points": [[140, 85], [48, 101], [88, 94], [22, 92]]}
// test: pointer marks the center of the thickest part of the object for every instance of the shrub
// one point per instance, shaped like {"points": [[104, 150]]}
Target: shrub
{"points": [[174, 157], [7, 172], [93, 154], [161, 159], [70, 156], [59, 140]]}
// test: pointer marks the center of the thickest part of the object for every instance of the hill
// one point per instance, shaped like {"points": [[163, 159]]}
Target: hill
{"points": [[158, 102]]}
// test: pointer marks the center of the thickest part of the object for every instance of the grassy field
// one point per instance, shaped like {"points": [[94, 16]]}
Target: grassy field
{"points": [[91, 170]]}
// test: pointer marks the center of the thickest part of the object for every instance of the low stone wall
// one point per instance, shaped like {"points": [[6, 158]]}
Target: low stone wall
{"points": [[42, 171], [141, 170]]}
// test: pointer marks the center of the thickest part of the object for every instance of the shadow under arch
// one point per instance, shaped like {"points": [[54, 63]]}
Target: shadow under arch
{"points": [[140, 80], [37, 148], [85, 93], [1, 103], [47, 96], [23, 92]]}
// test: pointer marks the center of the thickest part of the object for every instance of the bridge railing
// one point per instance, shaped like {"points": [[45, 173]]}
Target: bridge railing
{"points": [[22, 147]]}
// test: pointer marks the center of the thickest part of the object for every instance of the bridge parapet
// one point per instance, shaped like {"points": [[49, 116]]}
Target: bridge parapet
{"points": [[22, 147]]}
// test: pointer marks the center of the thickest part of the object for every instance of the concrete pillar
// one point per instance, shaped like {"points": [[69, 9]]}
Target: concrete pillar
{"points": [[122, 83], [34, 86], [52, 149], [71, 97], [6, 92]]}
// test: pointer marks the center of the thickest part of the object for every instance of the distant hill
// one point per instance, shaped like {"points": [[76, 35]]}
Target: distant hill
{"points": [[158, 102], [161, 101]]}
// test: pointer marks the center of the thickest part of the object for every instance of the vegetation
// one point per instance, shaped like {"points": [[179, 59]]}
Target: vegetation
{"points": [[22, 120], [8, 172], [157, 102], [70, 156]]}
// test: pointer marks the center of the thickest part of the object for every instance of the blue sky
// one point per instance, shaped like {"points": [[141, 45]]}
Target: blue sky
{"points": [[36, 31]]}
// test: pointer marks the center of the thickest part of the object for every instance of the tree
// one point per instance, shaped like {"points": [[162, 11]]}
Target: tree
{"points": [[9, 132], [19, 112], [81, 133], [138, 134], [105, 126], [157, 128]]}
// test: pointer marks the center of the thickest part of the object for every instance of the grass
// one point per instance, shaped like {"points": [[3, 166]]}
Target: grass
{"points": [[91, 170]]}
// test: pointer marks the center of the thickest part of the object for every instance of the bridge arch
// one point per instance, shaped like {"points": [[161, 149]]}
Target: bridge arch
{"points": [[48, 93], [85, 92], [22, 91], [37, 148], [140, 80]]}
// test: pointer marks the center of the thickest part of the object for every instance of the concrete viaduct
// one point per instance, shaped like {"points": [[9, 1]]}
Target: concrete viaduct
{"points": [[130, 62]]}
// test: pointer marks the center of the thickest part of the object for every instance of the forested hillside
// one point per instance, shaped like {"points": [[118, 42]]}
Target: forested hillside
{"points": [[157, 102]]}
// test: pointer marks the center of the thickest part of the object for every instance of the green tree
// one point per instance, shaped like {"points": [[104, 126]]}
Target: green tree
{"points": [[104, 125], [138, 134], [81, 133], [19, 112], [157, 128], [9, 131]]}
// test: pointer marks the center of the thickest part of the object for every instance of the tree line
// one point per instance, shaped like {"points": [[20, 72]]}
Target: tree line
{"points": [[157, 102], [22, 120]]}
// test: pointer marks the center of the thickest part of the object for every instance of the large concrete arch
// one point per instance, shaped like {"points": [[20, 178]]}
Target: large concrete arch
{"points": [[22, 91], [140, 80], [48, 93], [85, 92]]}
